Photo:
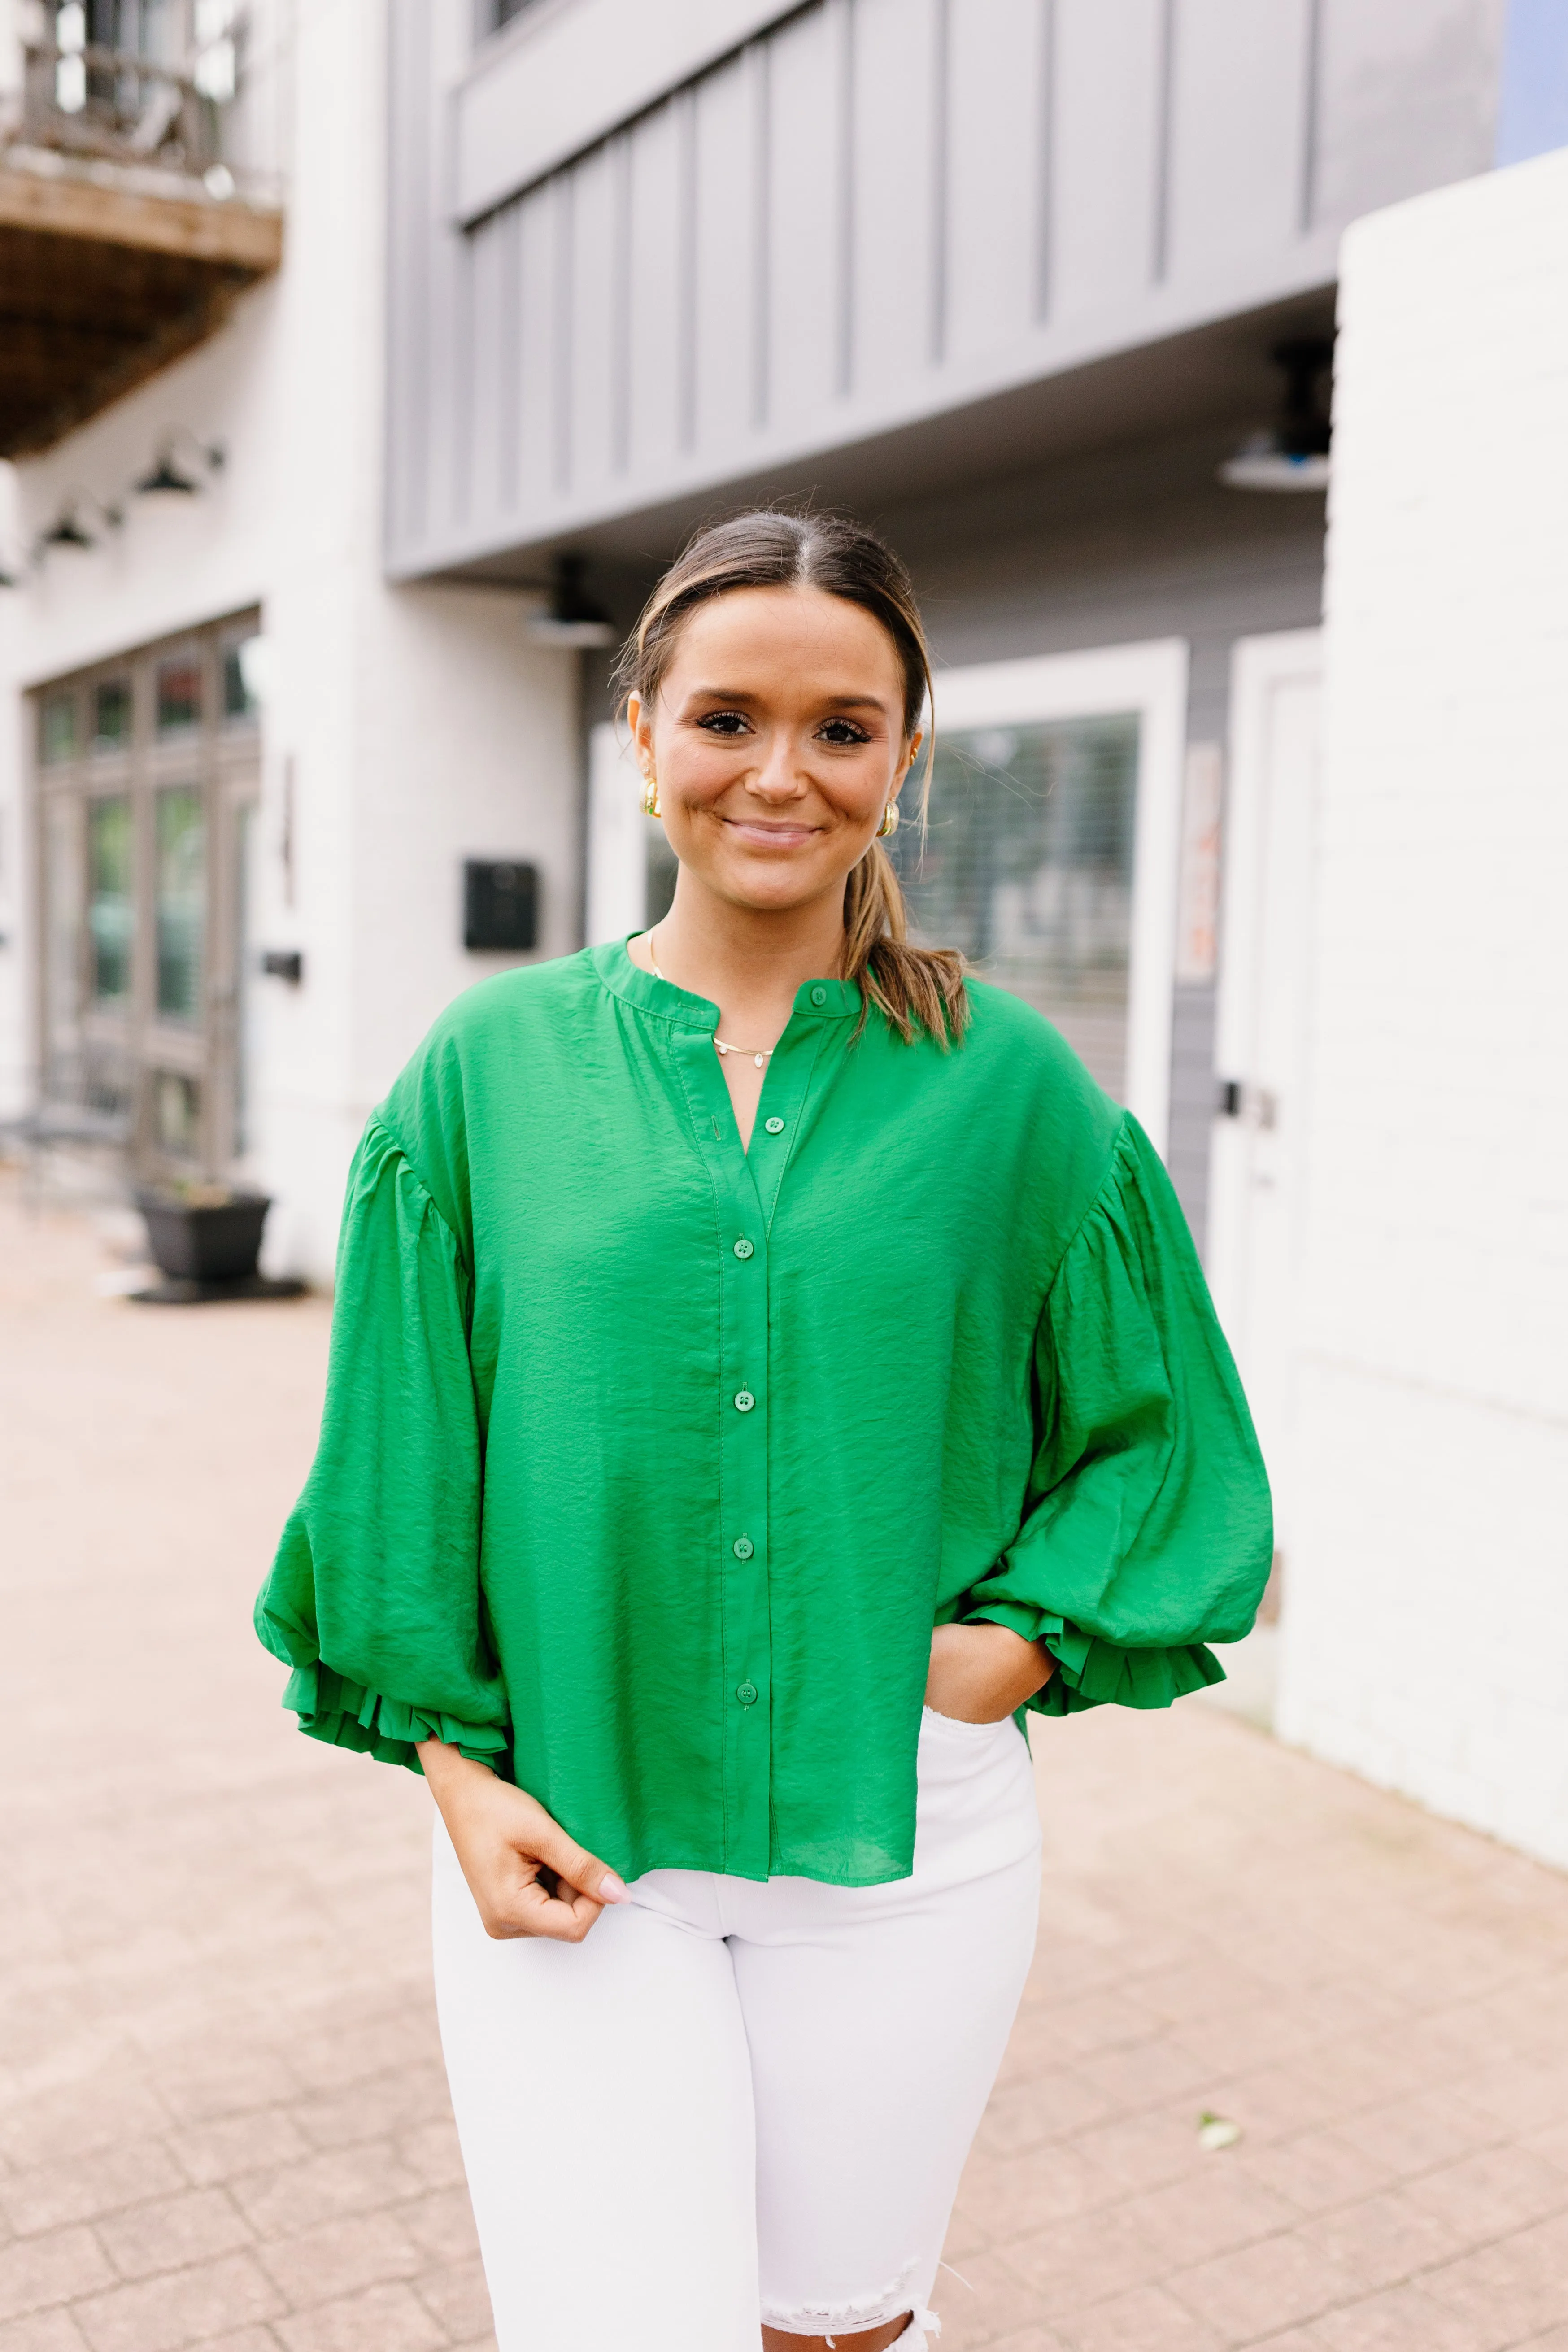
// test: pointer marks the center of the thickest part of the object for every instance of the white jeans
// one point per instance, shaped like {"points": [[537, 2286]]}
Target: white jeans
{"points": [[737, 2100]]}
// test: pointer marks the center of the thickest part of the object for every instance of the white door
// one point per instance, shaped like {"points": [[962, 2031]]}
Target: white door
{"points": [[1254, 1208]]}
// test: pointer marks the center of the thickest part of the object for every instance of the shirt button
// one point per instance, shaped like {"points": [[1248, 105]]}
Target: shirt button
{"points": [[747, 1693], [744, 1547], [743, 1248], [773, 1126], [820, 996], [744, 1400]]}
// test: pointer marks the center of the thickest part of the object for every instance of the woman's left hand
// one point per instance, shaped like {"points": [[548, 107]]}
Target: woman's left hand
{"points": [[981, 1674]]}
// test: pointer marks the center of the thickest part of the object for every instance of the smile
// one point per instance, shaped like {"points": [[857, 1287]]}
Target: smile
{"points": [[771, 836]]}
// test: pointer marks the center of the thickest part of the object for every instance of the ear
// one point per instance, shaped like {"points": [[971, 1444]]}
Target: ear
{"points": [[910, 756], [639, 719]]}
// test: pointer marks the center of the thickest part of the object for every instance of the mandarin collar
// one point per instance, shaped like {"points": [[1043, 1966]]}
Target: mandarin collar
{"points": [[815, 1000]]}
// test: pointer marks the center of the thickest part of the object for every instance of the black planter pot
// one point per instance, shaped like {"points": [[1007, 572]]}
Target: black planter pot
{"points": [[216, 1242]]}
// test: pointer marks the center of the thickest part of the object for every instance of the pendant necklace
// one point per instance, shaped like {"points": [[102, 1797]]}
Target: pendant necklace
{"points": [[762, 1056]]}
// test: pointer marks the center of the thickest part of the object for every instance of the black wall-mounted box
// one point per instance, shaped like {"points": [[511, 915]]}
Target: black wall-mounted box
{"points": [[501, 905]]}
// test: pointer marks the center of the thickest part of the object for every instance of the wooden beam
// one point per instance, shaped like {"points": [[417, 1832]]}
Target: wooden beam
{"points": [[87, 388], [232, 234]]}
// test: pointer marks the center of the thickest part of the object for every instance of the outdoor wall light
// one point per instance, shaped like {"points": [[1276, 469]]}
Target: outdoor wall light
{"points": [[572, 618], [1293, 454], [68, 529], [166, 478]]}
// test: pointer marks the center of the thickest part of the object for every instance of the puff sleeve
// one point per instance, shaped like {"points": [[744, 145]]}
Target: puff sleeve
{"points": [[373, 1598], [1148, 1530]]}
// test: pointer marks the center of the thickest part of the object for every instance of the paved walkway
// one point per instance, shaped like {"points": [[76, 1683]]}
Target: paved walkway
{"points": [[222, 2115]]}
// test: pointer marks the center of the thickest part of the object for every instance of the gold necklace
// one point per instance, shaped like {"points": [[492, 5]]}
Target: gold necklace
{"points": [[761, 1055]]}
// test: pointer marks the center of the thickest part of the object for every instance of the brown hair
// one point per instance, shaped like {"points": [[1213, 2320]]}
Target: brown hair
{"points": [[773, 548]]}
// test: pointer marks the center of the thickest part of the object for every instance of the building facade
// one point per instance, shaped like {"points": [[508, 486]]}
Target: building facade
{"points": [[1014, 277], [1045, 288], [241, 773]]}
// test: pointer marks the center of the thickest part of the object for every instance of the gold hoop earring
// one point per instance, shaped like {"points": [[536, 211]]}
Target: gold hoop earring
{"points": [[650, 806], [890, 824]]}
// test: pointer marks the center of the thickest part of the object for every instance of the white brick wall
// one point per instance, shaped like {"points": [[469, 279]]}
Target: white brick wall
{"points": [[1425, 1639]]}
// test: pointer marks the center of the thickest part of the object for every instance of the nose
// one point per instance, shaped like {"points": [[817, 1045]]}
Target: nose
{"points": [[778, 778]]}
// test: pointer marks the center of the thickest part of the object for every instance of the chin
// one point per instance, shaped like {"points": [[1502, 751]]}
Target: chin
{"points": [[771, 892]]}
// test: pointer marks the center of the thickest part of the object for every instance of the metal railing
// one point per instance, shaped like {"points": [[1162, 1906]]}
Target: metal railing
{"points": [[84, 97]]}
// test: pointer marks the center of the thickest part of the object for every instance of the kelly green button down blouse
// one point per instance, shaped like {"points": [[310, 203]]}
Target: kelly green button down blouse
{"points": [[648, 1463]]}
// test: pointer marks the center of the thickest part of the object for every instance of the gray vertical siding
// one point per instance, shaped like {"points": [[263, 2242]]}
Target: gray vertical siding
{"points": [[870, 212], [709, 261]]}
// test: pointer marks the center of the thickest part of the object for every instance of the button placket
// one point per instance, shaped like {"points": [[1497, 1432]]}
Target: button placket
{"points": [[743, 1261], [746, 1192], [740, 1244]]}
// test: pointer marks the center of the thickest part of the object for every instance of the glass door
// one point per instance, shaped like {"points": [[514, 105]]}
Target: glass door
{"points": [[147, 769]]}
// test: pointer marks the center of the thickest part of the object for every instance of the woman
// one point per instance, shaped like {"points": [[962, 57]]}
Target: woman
{"points": [[741, 1334]]}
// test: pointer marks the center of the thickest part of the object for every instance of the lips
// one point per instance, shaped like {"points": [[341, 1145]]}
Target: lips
{"points": [[772, 836]]}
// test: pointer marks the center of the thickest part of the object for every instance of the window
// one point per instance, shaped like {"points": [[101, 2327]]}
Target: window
{"points": [[1026, 866], [181, 901], [112, 715], [1051, 856], [240, 706], [57, 727], [179, 703], [148, 772], [110, 910]]}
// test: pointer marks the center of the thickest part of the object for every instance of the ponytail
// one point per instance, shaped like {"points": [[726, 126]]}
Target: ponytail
{"points": [[910, 987]]}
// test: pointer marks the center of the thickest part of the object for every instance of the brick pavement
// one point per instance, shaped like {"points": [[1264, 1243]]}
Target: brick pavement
{"points": [[222, 2115]]}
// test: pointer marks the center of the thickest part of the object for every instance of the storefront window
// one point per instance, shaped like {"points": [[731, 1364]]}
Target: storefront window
{"points": [[180, 909], [57, 727], [112, 715], [63, 874], [240, 706], [1027, 866], [111, 911], [147, 777], [179, 694]]}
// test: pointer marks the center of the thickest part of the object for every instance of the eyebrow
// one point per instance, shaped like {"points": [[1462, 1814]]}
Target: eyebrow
{"points": [[839, 701]]}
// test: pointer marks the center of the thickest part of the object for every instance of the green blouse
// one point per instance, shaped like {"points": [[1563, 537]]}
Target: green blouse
{"points": [[648, 1463]]}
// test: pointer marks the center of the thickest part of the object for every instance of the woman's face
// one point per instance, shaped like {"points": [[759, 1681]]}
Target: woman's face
{"points": [[777, 737]]}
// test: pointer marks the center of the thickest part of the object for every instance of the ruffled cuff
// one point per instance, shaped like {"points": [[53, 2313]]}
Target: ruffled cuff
{"points": [[1092, 1672], [345, 1715]]}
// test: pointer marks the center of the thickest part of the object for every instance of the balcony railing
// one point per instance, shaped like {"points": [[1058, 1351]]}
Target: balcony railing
{"points": [[135, 209], [107, 103], [159, 103]]}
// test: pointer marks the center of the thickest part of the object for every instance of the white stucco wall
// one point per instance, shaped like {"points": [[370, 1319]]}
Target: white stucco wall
{"points": [[421, 725], [1425, 1633]]}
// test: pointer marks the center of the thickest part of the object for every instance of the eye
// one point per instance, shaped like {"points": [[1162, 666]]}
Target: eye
{"points": [[724, 723], [843, 731]]}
